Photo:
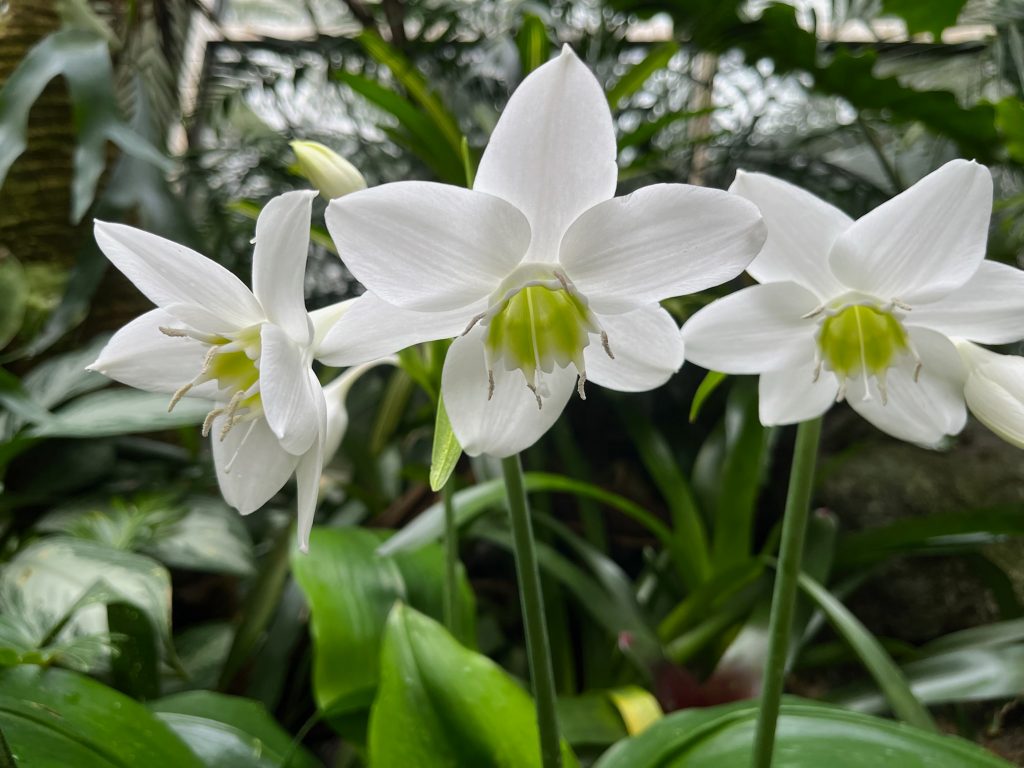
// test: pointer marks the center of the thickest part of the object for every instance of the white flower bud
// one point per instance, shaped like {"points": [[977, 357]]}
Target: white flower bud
{"points": [[995, 390], [328, 171]]}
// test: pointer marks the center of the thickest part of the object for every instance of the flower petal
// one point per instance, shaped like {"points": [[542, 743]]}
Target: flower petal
{"points": [[761, 328], [324, 319], [169, 273], [510, 421], [279, 262], [801, 230], [425, 246], [791, 395], [142, 356], [372, 328], [988, 308], [288, 390], [552, 153], [647, 347], [251, 464], [307, 478], [922, 411], [923, 243], [995, 394], [663, 240]]}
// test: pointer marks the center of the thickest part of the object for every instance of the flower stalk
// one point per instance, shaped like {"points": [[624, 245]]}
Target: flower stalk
{"points": [[531, 598], [794, 528]]}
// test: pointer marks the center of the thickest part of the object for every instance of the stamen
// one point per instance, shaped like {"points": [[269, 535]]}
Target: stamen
{"points": [[173, 332], [841, 394], [490, 383], [604, 343], [230, 413], [476, 319], [816, 311], [540, 403], [580, 384], [208, 421], [902, 305], [179, 393]]}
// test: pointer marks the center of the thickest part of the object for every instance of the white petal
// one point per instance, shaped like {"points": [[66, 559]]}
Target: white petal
{"points": [[661, 241], [921, 411], [279, 261], [251, 464], [372, 328], [995, 395], [792, 395], [142, 356], [988, 308], [761, 328], [801, 230], [552, 153], [647, 347], [323, 319], [337, 414], [307, 479], [427, 246], [288, 390], [923, 243], [510, 421], [169, 273]]}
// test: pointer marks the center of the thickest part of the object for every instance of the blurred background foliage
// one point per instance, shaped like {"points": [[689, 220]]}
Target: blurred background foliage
{"points": [[658, 513]]}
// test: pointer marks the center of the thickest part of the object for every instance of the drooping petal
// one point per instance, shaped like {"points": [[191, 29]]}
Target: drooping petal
{"points": [[142, 356], [792, 395], [921, 411], [663, 240], [647, 347], [761, 328], [307, 478], [337, 414], [169, 273], [923, 243], [279, 261], [995, 392], [552, 153], [288, 390], [425, 246], [988, 308], [372, 328], [801, 230], [251, 464], [510, 421]]}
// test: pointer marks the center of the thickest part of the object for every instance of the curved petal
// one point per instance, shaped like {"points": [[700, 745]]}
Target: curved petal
{"points": [[510, 421], [801, 230], [647, 347], [288, 390], [663, 240], [372, 328], [791, 395], [922, 411], [995, 395], [923, 243], [279, 262], [251, 464], [323, 319], [307, 478], [169, 273], [988, 308], [552, 153], [142, 356], [426, 246], [761, 328]]}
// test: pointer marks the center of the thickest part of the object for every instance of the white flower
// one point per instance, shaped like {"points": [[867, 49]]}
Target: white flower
{"points": [[545, 274], [864, 309], [995, 390], [249, 351], [328, 171]]}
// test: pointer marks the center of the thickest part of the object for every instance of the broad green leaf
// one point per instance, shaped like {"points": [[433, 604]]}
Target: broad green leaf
{"points": [[202, 651], [134, 662], [590, 720], [13, 296], [83, 60], [52, 718], [985, 636], [1010, 123], [230, 732], [634, 79], [441, 705], [351, 589], [119, 412], [532, 42], [60, 378], [446, 450], [809, 735], [932, 16]]}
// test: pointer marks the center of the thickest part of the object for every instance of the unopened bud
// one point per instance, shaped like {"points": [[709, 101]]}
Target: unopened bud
{"points": [[328, 171], [994, 390]]}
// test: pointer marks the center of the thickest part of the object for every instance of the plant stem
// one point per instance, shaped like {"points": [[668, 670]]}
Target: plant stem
{"points": [[541, 673], [794, 527], [451, 561]]}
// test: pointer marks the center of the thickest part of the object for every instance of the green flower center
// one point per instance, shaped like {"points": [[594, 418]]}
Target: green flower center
{"points": [[862, 340]]}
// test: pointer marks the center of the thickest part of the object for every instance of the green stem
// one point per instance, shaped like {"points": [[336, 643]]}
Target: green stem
{"points": [[794, 527], [532, 601], [451, 561]]}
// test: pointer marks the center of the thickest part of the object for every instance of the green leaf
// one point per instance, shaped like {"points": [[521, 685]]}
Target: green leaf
{"points": [[230, 732], [13, 297], [423, 717], [532, 42], [634, 79], [446, 450], [932, 16], [707, 385], [58, 379], [52, 718], [1010, 124], [809, 735], [83, 60], [134, 662], [120, 412], [351, 589]]}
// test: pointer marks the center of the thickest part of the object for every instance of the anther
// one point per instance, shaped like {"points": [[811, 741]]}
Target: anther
{"points": [[173, 332], [231, 413], [841, 394], [540, 403], [816, 311], [580, 383], [490, 383], [604, 343], [476, 319], [208, 421], [917, 371], [180, 393]]}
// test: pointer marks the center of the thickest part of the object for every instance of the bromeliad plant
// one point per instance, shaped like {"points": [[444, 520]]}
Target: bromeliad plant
{"points": [[545, 280]]}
